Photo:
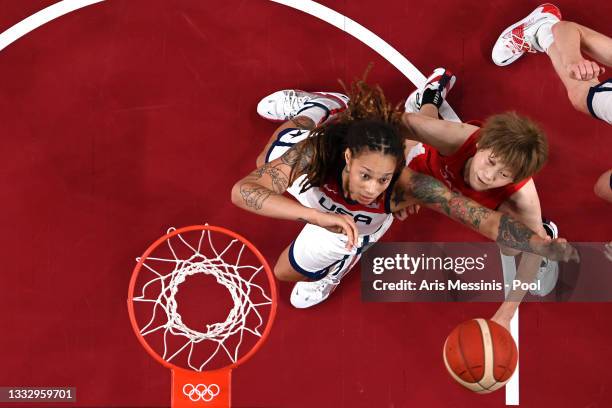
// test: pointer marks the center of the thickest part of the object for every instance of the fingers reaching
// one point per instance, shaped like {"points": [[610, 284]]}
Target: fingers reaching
{"points": [[585, 70], [401, 214], [404, 212], [350, 229]]}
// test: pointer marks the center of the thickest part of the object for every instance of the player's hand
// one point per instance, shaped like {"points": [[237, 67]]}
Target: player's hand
{"points": [[584, 70], [339, 224], [404, 212], [502, 321], [559, 250], [608, 251]]}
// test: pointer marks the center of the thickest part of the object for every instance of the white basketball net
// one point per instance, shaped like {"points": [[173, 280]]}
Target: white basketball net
{"points": [[233, 276]]}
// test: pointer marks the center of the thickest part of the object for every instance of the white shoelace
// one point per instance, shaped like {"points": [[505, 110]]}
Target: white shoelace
{"points": [[293, 102], [520, 44]]}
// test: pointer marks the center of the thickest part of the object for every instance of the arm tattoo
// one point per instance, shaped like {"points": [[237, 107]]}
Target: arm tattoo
{"points": [[303, 122], [433, 192], [511, 233], [254, 195], [514, 234], [280, 181], [468, 212]]}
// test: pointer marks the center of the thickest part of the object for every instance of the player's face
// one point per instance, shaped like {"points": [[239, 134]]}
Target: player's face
{"points": [[487, 172], [369, 175]]}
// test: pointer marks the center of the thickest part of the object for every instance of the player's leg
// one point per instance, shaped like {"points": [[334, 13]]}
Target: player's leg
{"points": [[428, 99], [535, 33], [542, 31], [569, 40], [338, 264], [597, 45], [587, 96], [577, 91], [283, 269], [603, 190], [313, 255], [301, 112], [603, 186]]}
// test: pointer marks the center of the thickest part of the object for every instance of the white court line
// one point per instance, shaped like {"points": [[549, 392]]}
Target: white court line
{"points": [[508, 263], [512, 386], [39, 18], [371, 40]]}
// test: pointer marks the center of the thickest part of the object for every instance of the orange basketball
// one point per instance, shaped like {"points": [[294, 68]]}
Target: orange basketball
{"points": [[480, 355]]}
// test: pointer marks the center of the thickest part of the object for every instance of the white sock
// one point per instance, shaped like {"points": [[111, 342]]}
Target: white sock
{"points": [[544, 36], [317, 114]]}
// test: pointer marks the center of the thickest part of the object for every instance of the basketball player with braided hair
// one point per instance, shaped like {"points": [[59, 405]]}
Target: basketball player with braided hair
{"points": [[343, 160]]}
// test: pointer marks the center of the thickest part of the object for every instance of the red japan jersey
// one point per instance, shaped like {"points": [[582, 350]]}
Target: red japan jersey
{"points": [[449, 170]]}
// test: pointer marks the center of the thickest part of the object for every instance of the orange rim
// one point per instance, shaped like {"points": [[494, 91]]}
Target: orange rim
{"points": [[152, 247]]}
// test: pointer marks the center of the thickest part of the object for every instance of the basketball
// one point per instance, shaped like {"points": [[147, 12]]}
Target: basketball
{"points": [[480, 355]]}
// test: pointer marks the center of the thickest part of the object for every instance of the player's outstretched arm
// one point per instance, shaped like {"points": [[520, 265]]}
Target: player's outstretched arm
{"points": [[261, 192], [444, 136], [492, 224]]}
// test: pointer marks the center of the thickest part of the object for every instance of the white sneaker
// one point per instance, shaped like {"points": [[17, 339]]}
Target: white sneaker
{"points": [[548, 274], [521, 37], [286, 104], [308, 294], [441, 79]]}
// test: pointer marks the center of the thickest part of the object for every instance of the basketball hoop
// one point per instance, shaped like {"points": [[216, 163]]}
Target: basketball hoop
{"points": [[195, 271]]}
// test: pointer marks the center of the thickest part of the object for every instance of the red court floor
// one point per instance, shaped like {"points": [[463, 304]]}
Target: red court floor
{"points": [[130, 116]]}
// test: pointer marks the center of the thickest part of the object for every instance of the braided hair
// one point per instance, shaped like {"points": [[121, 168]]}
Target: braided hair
{"points": [[369, 123]]}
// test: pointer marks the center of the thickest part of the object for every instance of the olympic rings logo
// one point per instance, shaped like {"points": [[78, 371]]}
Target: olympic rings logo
{"points": [[202, 392]]}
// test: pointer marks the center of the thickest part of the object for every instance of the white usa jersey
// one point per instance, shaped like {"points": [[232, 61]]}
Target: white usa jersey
{"points": [[330, 198], [316, 252]]}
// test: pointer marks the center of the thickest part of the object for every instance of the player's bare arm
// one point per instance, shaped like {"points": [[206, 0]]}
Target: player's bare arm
{"points": [[524, 206], [261, 192], [442, 135], [492, 224]]}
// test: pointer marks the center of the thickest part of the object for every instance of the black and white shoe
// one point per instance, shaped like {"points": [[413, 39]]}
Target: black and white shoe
{"points": [[441, 81], [286, 104], [548, 274]]}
